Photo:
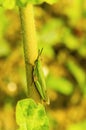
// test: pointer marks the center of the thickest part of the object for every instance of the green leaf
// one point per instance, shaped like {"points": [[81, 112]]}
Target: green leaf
{"points": [[82, 49], [78, 126], [49, 35], [30, 116], [50, 1], [73, 11], [24, 2], [70, 40], [77, 72], [60, 84], [51, 32], [4, 48], [10, 4]]}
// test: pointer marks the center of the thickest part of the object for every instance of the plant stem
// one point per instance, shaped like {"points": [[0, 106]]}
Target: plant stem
{"points": [[29, 45], [29, 33]]}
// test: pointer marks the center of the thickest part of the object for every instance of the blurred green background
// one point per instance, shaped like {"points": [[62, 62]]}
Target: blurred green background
{"points": [[61, 32]]}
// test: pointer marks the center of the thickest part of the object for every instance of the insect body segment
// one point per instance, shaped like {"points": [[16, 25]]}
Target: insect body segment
{"points": [[39, 80]]}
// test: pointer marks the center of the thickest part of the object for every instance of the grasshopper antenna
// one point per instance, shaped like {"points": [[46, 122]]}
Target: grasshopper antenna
{"points": [[39, 53]]}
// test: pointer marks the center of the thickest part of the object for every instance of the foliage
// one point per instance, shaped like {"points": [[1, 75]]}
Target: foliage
{"points": [[30, 116], [60, 84], [11, 4], [78, 126], [61, 31], [4, 47], [78, 73]]}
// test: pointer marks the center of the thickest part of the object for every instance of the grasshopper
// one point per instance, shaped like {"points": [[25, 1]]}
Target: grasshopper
{"points": [[39, 79]]}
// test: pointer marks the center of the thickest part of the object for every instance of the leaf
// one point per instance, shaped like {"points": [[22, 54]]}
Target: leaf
{"points": [[78, 126], [82, 49], [77, 72], [51, 32], [49, 35], [4, 48], [73, 11], [60, 84], [50, 1], [10, 4], [70, 40], [24, 2], [30, 116]]}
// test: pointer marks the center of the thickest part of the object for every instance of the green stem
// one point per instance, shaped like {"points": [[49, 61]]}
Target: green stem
{"points": [[29, 45], [29, 33]]}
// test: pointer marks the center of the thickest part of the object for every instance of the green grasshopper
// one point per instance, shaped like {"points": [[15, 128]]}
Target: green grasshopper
{"points": [[39, 79]]}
